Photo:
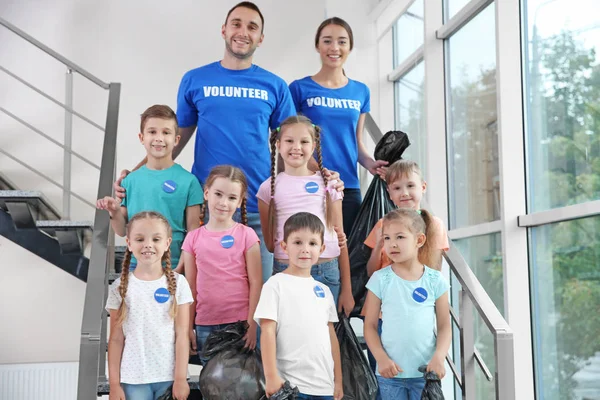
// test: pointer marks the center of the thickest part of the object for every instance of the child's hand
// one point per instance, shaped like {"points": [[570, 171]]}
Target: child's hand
{"points": [[193, 344], [342, 240], [108, 203], [119, 190], [273, 385], [116, 393], [250, 336], [437, 365], [388, 368], [181, 389], [334, 176], [338, 390], [346, 302]]}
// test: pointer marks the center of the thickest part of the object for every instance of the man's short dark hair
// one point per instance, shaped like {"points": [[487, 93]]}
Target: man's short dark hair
{"points": [[303, 220], [251, 6]]}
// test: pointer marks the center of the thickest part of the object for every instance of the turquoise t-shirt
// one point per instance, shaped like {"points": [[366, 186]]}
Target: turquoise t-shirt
{"points": [[408, 316], [169, 191]]}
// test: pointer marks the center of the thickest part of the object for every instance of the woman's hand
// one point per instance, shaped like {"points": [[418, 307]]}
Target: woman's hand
{"points": [[378, 167]]}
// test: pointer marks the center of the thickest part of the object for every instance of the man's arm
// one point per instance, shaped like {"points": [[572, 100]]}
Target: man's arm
{"points": [[186, 134]]}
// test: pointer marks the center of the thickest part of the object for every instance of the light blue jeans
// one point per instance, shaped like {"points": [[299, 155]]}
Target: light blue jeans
{"points": [[145, 391], [328, 273], [400, 388]]}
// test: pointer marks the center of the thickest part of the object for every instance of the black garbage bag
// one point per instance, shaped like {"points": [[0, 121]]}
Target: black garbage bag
{"points": [[433, 385], [375, 205], [359, 381], [287, 392], [232, 372]]}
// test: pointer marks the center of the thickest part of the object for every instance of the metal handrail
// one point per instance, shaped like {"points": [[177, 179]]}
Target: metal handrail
{"points": [[54, 54], [474, 295]]}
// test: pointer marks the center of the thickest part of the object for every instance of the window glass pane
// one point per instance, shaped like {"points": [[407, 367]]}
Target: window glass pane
{"points": [[410, 113], [451, 7], [563, 102], [565, 294], [483, 254], [474, 181], [408, 32]]}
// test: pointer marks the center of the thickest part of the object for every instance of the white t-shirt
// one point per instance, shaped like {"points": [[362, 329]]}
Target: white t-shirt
{"points": [[302, 308], [149, 352]]}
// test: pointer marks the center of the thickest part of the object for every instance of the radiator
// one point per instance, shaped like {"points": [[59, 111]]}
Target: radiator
{"points": [[48, 381]]}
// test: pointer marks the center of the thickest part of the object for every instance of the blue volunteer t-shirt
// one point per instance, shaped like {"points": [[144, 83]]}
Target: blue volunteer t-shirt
{"points": [[408, 315], [233, 110], [336, 111], [169, 191]]}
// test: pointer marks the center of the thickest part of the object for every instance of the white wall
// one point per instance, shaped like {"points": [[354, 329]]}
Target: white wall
{"points": [[147, 45], [41, 309]]}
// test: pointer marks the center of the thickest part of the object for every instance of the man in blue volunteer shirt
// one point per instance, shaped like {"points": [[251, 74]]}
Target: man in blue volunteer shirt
{"points": [[233, 103]]}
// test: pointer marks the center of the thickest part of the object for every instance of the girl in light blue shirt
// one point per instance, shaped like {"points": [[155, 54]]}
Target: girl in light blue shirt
{"points": [[411, 299]]}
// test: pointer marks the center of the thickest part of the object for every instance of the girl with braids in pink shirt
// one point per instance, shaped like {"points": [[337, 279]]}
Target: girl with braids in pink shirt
{"points": [[297, 189]]}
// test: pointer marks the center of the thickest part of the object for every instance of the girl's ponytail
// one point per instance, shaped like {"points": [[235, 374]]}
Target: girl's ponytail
{"points": [[122, 312], [171, 281], [426, 255], [272, 210], [328, 208]]}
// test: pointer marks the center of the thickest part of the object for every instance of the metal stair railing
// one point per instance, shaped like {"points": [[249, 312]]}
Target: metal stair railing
{"points": [[68, 152], [93, 328], [473, 296]]}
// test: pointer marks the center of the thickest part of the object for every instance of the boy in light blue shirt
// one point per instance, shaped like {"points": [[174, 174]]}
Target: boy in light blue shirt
{"points": [[160, 185], [411, 299]]}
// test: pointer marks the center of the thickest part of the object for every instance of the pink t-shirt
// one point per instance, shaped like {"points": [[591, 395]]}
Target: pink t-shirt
{"points": [[296, 194], [222, 287]]}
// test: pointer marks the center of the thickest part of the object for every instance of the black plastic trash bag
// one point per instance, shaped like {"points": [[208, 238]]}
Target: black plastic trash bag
{"points": [[375, 205], [168, 395], [232, 372], [359, 381], [287, 392], [433, 385]]}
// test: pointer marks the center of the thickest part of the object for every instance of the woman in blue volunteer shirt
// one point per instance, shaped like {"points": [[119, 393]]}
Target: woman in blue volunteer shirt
{"points": [[339, 106]]}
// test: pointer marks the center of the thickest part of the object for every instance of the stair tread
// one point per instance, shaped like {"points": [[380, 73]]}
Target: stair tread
{"points": [[63, 223], [34, 198]]}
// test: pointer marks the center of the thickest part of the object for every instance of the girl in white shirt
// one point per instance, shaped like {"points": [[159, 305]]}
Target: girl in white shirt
{"points": [[298, 188], [148, 348]]}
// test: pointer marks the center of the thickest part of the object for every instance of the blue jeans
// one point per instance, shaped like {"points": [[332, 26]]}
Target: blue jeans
{"points": [[400, 388], [302, 396], [145, 391], [328, 273]]}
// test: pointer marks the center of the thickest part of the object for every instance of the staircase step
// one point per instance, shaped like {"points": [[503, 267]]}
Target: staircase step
{"points": [[73, 236], [39, 206]]}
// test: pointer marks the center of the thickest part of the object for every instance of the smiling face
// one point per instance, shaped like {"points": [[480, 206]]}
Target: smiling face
{"points": [[399, 242], [148, 239], [333, 45], [242, 32], [296, 145], [224, 197], [159, 137], [303, 248], [407, 191]]}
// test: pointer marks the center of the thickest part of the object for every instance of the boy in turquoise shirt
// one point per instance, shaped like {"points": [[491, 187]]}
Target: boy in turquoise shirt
{"points": [[160, 185]]}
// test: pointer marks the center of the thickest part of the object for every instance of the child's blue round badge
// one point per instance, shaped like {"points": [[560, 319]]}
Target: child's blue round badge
{"points": [[319, 292], [227, 241], [420, 295], [311, 187], [169, 186], [162, 295]]}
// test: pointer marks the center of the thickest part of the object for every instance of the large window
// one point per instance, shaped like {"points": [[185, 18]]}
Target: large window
{"points": [[408, 32], [563, 86], [451, 7], [474, 183], [410, 116]]}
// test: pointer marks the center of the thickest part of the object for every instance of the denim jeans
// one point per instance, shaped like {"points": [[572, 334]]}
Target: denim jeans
{"points": [[302, 396], [328, 273], [350, 208], [145, 391], [400, 388]]}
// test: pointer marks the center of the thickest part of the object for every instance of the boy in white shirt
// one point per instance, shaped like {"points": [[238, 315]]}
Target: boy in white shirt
{"points": [[296, 315]]}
